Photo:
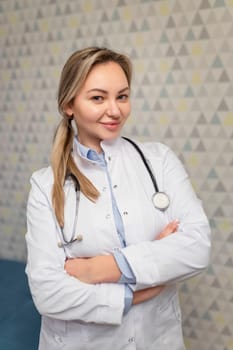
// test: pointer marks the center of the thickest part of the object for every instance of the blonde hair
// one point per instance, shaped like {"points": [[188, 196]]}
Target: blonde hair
{"points": [[73, 76]]}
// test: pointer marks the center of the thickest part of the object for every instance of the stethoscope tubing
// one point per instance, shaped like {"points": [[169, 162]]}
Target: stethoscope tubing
{"points": [[157, 193]]}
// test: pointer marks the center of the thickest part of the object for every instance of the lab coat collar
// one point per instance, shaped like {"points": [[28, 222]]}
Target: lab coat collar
{"points": [[110, 147]]}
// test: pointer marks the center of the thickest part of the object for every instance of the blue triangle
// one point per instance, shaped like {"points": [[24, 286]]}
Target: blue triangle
{"points": [[187, 147], [145, 106], [215, 119], [212, 223], [115, 16], [164, 38], [212, 174], [207, 316], [163, 93], [219, 3], [189, 92], [190, 36], [217, 63], [170, 79], [184, 288]]}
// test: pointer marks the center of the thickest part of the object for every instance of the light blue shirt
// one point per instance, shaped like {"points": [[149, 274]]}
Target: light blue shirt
{"points": [[127, 275]]}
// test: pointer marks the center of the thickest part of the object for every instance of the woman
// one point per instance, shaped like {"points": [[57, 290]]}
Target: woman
{"points": [[103, 264]]}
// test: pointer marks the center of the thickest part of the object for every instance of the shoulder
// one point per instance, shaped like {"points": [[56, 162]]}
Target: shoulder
{"points": [[43, 177], [150, 149]]}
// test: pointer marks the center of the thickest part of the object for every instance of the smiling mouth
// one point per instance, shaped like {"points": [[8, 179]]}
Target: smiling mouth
{"points": [[111, 125]]}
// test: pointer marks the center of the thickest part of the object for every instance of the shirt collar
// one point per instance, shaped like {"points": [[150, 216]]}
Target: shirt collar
{"points": [[110, 147], [89, 153]]}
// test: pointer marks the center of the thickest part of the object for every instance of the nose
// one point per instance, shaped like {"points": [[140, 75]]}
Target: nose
{"points": [[113, 109]]}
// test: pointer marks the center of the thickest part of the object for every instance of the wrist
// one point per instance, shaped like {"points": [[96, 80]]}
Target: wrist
{"points": [[105, 269]]}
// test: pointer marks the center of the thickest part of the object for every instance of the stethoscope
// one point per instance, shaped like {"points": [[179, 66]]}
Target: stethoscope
{"points": [[159, 199]]}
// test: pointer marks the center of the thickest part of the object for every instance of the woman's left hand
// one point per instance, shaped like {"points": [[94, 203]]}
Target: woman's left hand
{"points": [[99, 269]]}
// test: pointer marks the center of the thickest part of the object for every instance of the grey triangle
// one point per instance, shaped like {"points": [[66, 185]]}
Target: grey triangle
{"points": [[229, 91], [134, 54], [219, 187], [99, 31], [170, 52], [216, 284], [226, 16], [202, 119], [157, 106], [170, 23], [176, 65], [204, 5], [194, 314], [223, 106], [139, 93], [146, 81], [200, 147], [229, 262], [195, 133], [104, 17], [214, 306], [68, 10], [224, 77], [39, 14], [226, 331], [121, 3], [133, 27], [183, 51], [177, 7], [197, 20], [225, 47], [204, 34], [168, 133]]}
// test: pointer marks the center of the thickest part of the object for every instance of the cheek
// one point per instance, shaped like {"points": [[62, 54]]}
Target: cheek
{"points": [[88, 112], [127, 110]]}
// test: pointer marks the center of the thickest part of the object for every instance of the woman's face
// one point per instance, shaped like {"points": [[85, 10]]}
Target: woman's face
{"points": [[102, 105]]}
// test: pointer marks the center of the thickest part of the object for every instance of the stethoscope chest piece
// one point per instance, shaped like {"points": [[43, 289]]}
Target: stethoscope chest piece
{"points": [[160, 200]]}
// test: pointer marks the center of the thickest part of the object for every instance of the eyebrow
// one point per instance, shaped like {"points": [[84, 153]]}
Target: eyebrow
{"points": [[105, 92]]}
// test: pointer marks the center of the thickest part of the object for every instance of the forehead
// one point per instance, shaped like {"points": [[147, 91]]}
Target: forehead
{"points": [[109, 73]]}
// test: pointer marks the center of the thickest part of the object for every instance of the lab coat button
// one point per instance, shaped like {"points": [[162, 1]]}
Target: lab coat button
{"points": [[108, 216], [109, 158], [57, 338], [125, 213], [79, 237], [104, 189], [131, 340], [115, 186]]}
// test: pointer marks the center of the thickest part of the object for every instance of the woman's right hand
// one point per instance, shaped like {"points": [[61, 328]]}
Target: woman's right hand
{"points": [[146, 294], [169, 229]]}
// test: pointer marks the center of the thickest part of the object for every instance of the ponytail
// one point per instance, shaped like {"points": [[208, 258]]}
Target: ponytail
{"points": [[63, 164]]}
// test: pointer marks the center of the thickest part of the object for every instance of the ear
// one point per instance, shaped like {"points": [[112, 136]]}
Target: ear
{"points": [[68, 110]]}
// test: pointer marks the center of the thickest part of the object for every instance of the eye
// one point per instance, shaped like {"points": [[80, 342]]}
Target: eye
{"points": [[97, 98], [123, 97]]}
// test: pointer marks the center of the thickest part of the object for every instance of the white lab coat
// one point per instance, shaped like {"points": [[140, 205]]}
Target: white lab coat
{"points": [[79, 316]]}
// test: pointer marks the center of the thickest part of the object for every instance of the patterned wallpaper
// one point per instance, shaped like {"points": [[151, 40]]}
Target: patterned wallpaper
{"points": [[182, 52]]}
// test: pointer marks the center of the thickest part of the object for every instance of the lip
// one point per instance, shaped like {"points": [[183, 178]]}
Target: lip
{"points": [[111, 125]]}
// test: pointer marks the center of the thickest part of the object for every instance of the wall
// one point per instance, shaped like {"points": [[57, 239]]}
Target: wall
{"points": [[183, 59]]}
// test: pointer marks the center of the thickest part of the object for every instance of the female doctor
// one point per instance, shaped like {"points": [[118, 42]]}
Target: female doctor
{"points": [[113, 226]]}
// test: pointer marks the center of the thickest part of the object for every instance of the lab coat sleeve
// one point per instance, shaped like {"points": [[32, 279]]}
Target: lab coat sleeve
{"points": [[184, 253], [55, 293]]}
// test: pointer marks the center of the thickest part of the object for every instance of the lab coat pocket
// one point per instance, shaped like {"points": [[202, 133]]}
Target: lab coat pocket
{"points": [[170, 327], [53, 334]]}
